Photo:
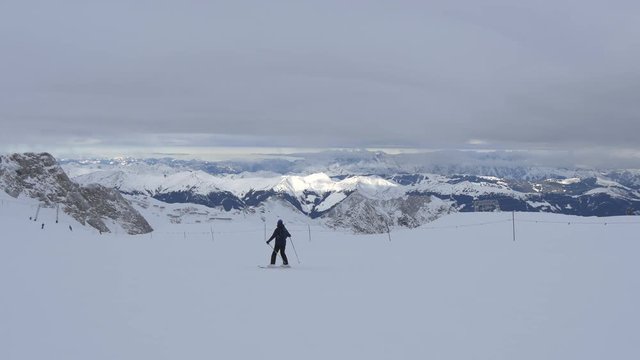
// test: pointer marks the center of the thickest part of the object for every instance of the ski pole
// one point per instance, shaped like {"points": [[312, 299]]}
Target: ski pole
{"points": [[294, 251]]}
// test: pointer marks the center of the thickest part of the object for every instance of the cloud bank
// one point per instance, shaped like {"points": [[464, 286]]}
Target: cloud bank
{"points": [[495, 74]]}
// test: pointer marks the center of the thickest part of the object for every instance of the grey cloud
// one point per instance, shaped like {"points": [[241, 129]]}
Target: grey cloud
{"points": [[544, 74]]}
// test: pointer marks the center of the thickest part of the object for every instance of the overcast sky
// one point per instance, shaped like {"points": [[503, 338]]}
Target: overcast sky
{"points": [[545, 74]]}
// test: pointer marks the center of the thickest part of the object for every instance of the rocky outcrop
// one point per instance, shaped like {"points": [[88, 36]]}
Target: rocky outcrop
{"points": [[40, 177], [367, 215]]}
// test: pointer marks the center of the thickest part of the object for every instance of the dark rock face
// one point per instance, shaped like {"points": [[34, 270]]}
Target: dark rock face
{"points": [[40, 177], [222, 199]]}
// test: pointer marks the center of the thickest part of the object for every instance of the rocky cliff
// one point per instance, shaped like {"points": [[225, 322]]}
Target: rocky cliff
{"points": [[40, 177], [363, 214]]}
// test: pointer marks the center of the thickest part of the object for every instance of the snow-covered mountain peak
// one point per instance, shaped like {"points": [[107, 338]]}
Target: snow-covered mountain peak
{"points": [[322, 183], [373, 187], [368, 182], [298, 184]]}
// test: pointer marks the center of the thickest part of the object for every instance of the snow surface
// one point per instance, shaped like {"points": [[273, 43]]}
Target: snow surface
{"points": [[611, 191], [567, 288], [441, 185], [539, 204], [568, 181], [331, 201]]}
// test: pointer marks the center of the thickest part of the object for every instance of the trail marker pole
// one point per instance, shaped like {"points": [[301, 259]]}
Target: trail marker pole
{"points": [[513, 222], [212, 239], [309, 226]]}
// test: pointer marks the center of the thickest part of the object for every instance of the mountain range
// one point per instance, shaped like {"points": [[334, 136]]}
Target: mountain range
{"points": [[365, 192], [371, 191]]}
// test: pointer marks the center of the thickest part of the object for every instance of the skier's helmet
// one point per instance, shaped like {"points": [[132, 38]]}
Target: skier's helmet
{"points": [[280, 223]]}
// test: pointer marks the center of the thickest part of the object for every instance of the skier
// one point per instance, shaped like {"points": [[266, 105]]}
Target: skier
{"points": [[280, 234]]}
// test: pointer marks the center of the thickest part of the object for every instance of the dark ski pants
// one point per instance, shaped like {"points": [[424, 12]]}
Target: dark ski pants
{"points": [[279, 247]]}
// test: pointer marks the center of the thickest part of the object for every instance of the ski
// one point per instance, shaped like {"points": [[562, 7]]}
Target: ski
{"points": [[274, 266]]}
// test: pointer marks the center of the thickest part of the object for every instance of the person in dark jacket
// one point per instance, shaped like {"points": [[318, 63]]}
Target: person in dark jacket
{"points": [[280, 234]]}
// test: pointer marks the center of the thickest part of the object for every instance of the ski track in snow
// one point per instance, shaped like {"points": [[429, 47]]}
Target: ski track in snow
{"points": [[559, 292]]}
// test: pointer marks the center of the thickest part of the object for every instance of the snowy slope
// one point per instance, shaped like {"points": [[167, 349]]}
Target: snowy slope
{"points": [[447, 291], [444, 186]]}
